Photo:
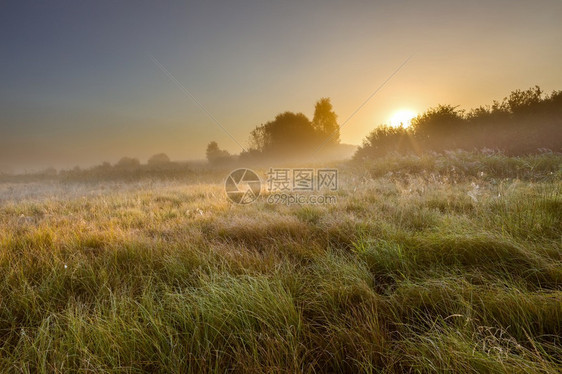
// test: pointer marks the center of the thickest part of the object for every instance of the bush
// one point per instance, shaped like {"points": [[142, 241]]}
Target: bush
{"points": [[159, 159]]}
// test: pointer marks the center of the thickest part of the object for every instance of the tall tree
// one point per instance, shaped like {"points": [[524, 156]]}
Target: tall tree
{"points": [[325, 121], [289, 132]]}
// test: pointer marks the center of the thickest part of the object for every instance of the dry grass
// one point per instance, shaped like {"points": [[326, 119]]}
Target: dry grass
{"points": [[420, 267]]}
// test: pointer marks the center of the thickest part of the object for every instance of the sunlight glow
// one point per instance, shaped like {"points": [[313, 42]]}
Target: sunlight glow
{"points": [[402, 117]]}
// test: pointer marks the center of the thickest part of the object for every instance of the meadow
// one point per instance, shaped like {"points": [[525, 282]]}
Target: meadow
{"points": [[439, 263]]}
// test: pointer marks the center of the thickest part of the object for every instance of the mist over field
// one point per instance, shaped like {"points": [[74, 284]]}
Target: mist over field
{"points": [[295, 187]]}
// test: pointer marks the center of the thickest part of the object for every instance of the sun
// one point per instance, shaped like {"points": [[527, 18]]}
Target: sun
{"points": [[402, 117]]}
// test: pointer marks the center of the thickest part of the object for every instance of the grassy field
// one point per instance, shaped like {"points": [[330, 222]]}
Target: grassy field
{"points": [[433, 264]]}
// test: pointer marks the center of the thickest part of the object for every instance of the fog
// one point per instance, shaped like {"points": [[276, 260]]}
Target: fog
{"points": [[79, 85]]}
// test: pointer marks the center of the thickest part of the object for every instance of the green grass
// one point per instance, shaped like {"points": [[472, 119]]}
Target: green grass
{"points": [[434, 264]]}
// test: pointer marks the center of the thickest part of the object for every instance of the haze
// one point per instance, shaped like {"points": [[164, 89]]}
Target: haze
{"points": [[78, 85]]}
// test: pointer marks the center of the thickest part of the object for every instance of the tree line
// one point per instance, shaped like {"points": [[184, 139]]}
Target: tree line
{"points": [[289, 134], [524, 122]]}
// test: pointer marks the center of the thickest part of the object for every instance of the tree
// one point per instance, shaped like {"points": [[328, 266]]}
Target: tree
{"points": [[159, 159], [439, 128], [325, 121], [259, 138], [128, 162], [519, 101], [215, 154], [293, 134], [289, 132]]}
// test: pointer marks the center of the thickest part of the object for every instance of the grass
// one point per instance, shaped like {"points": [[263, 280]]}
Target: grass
{"points": [[432, 264]]}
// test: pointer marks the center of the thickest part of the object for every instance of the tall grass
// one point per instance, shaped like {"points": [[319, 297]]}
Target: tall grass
{"points": [[432, 264]]}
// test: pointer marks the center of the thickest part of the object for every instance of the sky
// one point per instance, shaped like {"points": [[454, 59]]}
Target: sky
{"points": [[82, 82]]}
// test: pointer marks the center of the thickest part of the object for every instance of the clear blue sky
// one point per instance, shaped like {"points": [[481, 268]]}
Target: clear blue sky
{"points": [[78, 86]]}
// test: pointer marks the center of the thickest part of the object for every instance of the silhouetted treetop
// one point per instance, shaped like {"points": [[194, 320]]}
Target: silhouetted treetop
{"points": [[325, 121], [215, 154]]}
